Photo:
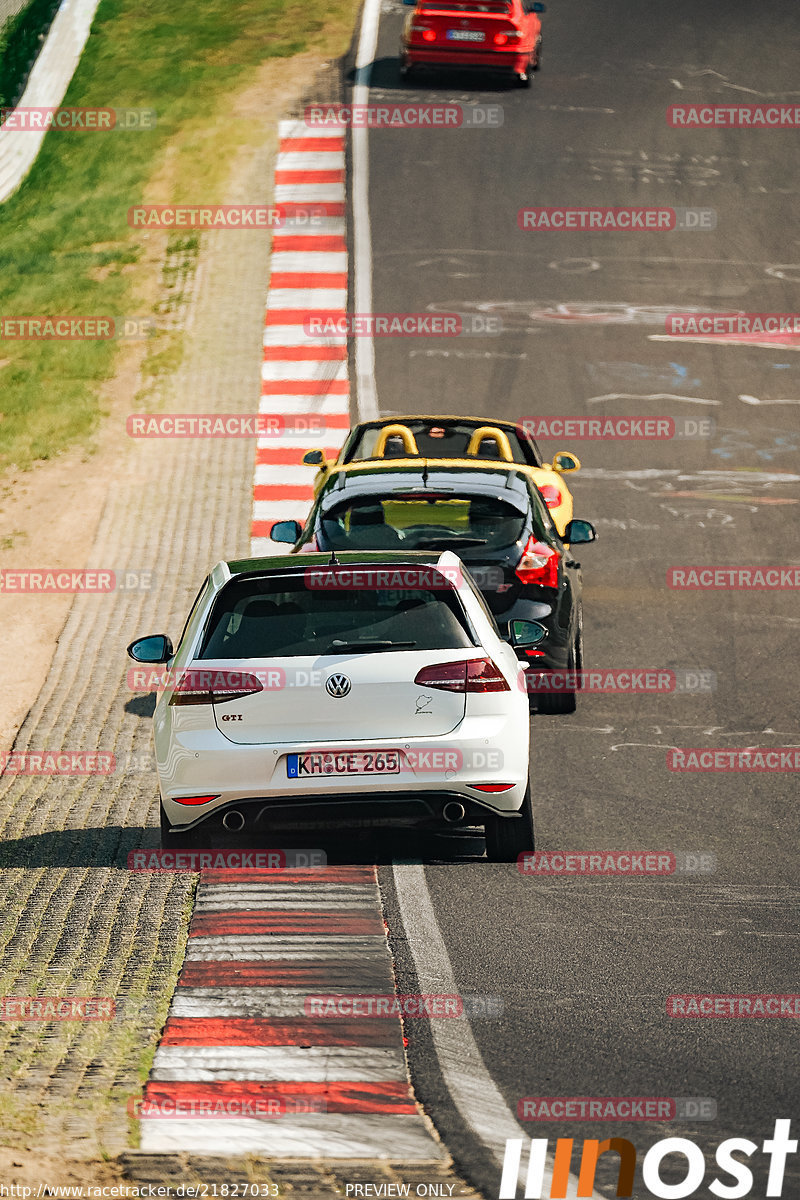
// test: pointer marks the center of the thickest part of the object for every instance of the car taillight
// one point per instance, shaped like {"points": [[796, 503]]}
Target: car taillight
{"points": [[551, 495], [500, 39], [194, 799], [492, 787], [429, 35], [478, 675], [214, 687], [539, 564]]}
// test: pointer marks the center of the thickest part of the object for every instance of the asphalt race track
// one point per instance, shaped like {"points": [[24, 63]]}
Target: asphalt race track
{"points": [[569, 976], [584, 966]]}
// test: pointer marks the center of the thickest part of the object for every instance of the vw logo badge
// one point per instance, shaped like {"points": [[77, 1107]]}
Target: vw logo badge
{"points": [[337, 686]]}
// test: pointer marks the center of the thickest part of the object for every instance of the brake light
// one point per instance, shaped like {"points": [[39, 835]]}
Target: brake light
{"points": [[500, 39], [214, 687], [539, 564], [194, 799], [429, 35], [551, 495], [477, 675], [492, 787]]}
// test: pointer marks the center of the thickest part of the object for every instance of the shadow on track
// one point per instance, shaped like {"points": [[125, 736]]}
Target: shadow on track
{"points": [[385, 76], [109, 846]]}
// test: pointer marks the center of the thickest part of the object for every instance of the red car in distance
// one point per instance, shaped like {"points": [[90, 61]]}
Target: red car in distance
{"points": [[489, 35]]}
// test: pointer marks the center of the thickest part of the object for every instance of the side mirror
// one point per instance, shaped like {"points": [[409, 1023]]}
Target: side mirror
{"points": [[409, 2], [314, 458], [286, 531], [523, 634], [564, 462], [538, 8], [155, 649], [579, 532]]}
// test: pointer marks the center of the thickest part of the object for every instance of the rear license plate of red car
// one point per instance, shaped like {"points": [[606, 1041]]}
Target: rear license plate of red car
{"points": [[465, 35], [361, 762]]}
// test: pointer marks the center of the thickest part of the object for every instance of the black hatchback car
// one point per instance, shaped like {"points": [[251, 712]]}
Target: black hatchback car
{"points": [[499, 526]]}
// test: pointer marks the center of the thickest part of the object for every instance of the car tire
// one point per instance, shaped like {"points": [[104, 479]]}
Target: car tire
{"points": [[507, 838], [536, 61], [557, 704], [181, 839]]}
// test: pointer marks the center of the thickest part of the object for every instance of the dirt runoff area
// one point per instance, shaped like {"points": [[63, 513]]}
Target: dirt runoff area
{"points": [[49, 515]]}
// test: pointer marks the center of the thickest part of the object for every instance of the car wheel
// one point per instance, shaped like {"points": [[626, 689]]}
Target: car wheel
{"points": [[405, 69], [555, 704], [181, 840], [524, 79], [507, 838]]}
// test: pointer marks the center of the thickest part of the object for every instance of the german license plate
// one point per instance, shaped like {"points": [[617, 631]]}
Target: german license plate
{"points": [[465, 35], [359, 762]]}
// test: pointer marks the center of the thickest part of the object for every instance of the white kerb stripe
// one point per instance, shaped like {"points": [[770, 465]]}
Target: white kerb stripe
{"points": [[326, 299], [280, 510], [310, 160], [304, 439], [319, 405], [261, 547], [258, 1003], [286, 336], [322, 227], [275, 474], [305, 369], [317, 1064], [309, 260], [405, 1138], [299, 128], [298, 894], [309, 193]]}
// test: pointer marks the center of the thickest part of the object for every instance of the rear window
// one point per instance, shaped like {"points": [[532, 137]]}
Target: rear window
{"points": [[324, 611], [421, 521], [448, 440]]}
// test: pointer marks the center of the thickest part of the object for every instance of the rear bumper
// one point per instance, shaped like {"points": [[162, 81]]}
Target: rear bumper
{"points": [[484, 749], [506, 61], [265, 816]]}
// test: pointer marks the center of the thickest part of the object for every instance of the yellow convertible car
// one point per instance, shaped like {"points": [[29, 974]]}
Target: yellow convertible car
{"points": [[452, 441]]}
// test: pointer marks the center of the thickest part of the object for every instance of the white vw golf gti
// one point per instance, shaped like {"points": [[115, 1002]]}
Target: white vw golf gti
{"points": [[368, 690]]}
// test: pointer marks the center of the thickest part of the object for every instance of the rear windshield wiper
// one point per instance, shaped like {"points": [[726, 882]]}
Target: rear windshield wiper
{"points": [[339, 647]]}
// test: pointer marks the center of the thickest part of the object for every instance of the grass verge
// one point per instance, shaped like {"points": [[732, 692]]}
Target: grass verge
{"points": [[65, 245]]}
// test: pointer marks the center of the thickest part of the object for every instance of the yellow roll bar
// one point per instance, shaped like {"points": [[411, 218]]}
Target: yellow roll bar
{"points": [[401, 431], [494, 434]]}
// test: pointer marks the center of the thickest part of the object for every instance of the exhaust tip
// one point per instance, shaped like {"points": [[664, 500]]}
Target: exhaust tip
{"points": [[233, 820], [453, 812]]}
